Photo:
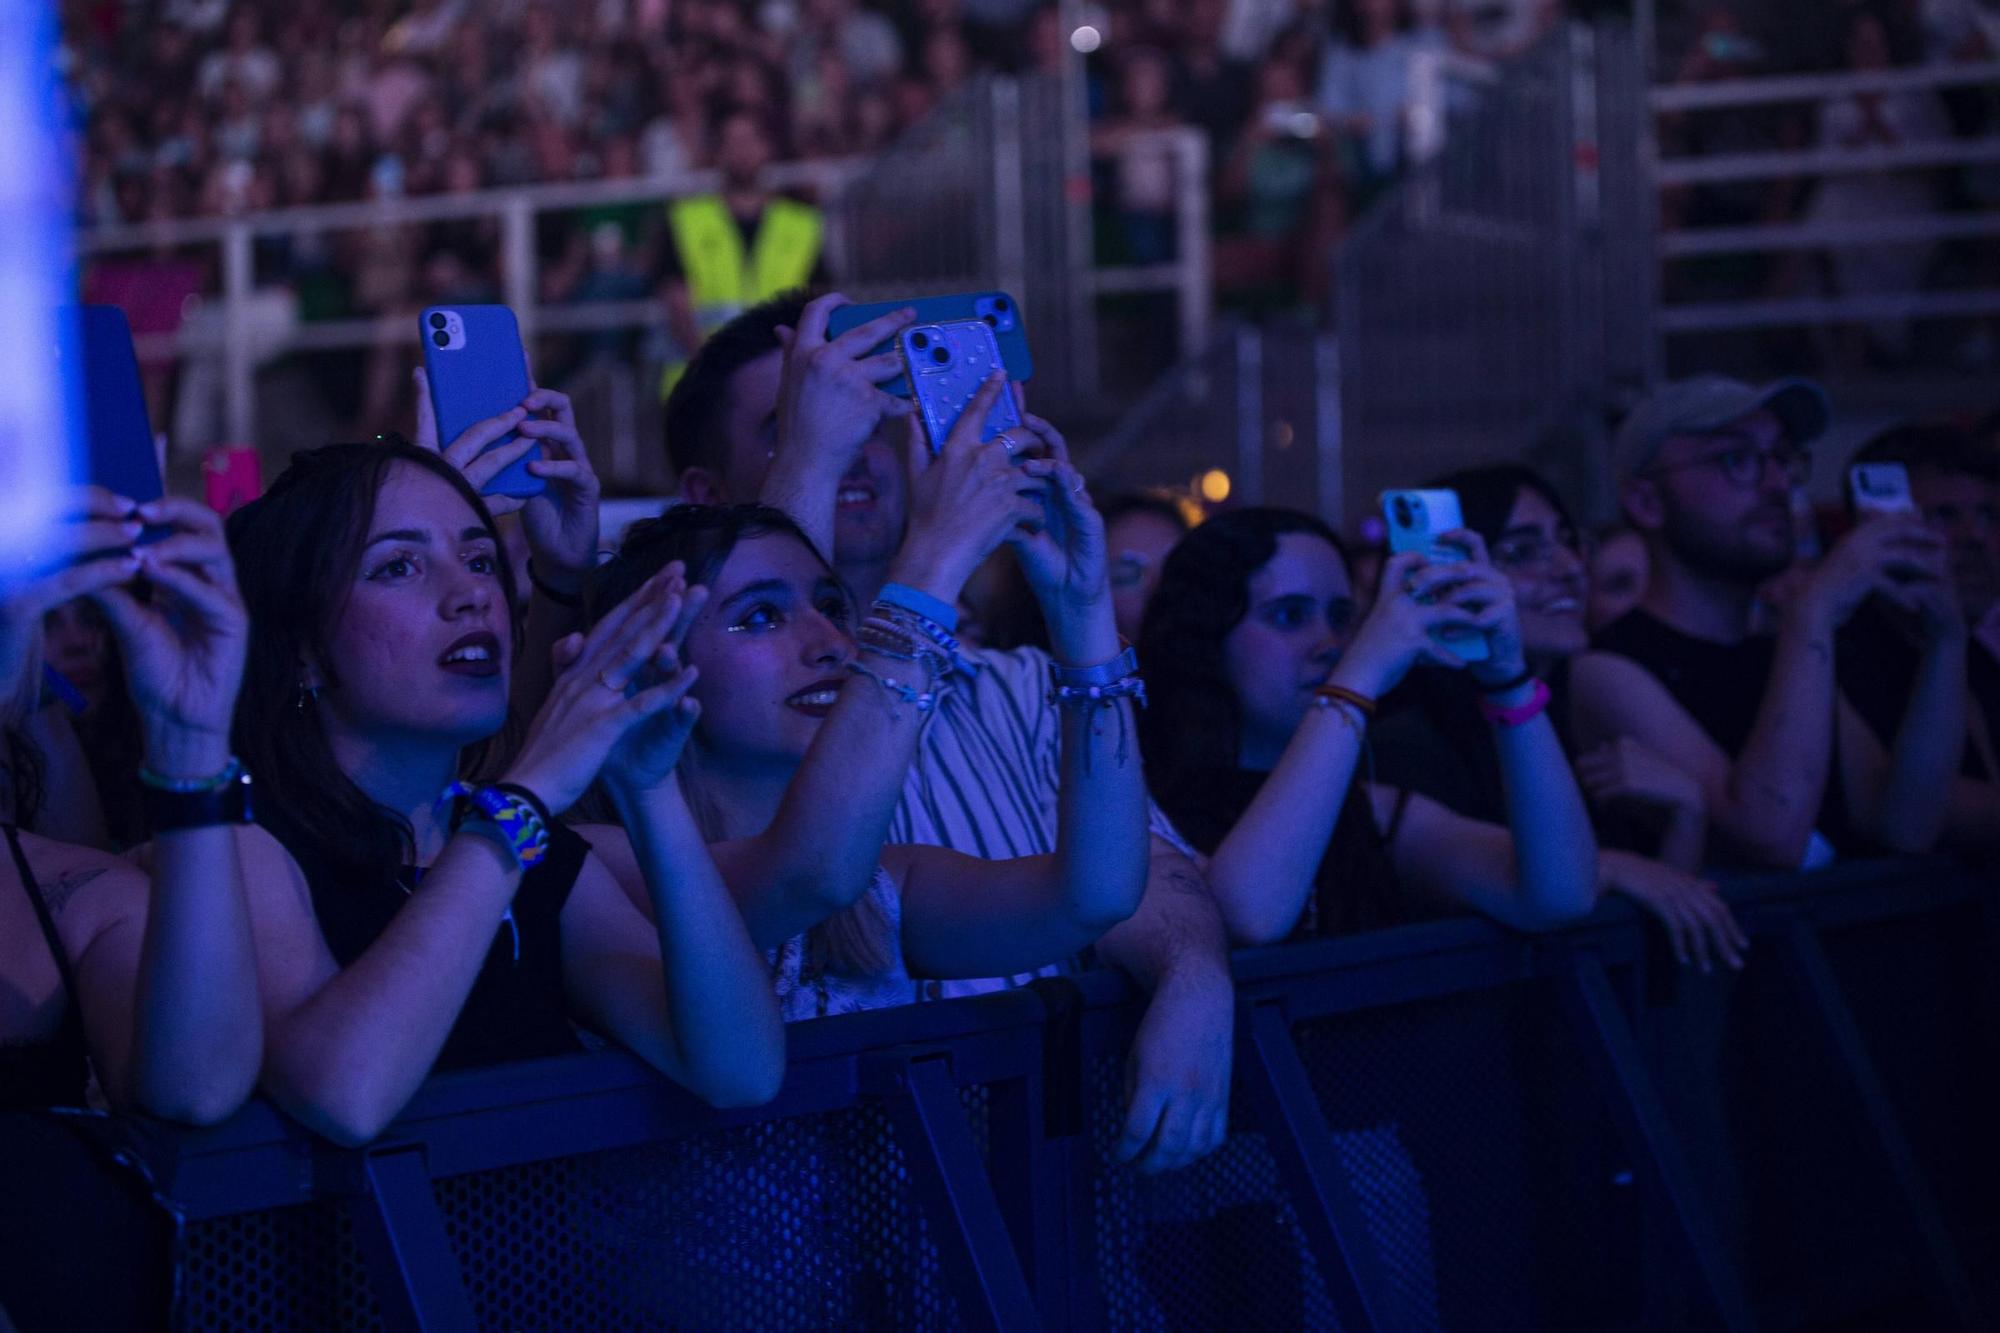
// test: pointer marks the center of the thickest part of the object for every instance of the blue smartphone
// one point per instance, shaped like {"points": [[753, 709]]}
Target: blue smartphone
{"points": [[996, 310], [119, 452], [1416, 519], [948, 362], [478, 369]]}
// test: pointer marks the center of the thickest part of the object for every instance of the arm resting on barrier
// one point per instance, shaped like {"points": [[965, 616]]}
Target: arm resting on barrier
{"points": [[347, 1047], [1484, 868], [688, 992], [1894, 795]]}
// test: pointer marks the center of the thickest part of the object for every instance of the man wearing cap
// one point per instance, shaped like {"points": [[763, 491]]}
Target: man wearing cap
{"points": [[1791, 773]]}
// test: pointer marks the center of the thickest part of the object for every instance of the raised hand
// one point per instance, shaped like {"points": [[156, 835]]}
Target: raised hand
{"points": [[184, 637], [1065, 558], [963, 502], [1400, 629], [561, 522], [95, 522], [1883, 555], [829, 397], [610, 682], [646, 756], [1487, 597]]}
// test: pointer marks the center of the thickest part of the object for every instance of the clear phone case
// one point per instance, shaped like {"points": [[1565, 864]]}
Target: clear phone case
{"points": [[947, 362]]}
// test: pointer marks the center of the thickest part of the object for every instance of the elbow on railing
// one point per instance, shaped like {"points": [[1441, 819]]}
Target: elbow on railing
{"points": [[194, 1101], [741, 1089]]}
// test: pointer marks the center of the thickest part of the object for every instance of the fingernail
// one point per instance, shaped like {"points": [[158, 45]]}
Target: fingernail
{"points": [[133, 529]]}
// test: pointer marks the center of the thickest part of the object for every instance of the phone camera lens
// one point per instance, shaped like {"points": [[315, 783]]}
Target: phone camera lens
{"points": [[940, 356], [437, 320], [1000, 306], [441, 338], [1404, 516], [920, 341], [992, 322]]}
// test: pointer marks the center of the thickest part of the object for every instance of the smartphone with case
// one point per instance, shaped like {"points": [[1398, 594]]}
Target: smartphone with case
{"points": [[1881, 488], [120, 453], [478, 369], [996, 310], [1417, 519], [947, 363]]}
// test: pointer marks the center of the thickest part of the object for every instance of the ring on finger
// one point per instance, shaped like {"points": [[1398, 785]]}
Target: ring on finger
{"points": [[1006, 439]]}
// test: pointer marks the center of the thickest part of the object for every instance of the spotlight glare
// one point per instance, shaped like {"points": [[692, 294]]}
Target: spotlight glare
{"points": [[1086, 39]]}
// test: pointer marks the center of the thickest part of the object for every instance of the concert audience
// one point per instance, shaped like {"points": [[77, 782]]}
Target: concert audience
{"points": [[772, 408], [1139, 531], [144, 990], [1790, 773], [414, 916], [1263, 689]]}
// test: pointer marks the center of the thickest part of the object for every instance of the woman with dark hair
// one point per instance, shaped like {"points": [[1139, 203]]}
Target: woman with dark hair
{"points": [[1436, 745], [151, 987], [1263, 691], [811, 715], [412, 919]]}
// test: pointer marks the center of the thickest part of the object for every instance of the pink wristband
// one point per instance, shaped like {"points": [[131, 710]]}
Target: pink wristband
{"points": [[1520, 714]]}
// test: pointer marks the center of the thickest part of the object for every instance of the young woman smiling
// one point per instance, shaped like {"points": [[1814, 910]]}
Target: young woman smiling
{"points": [[812, 712], [1263, 692], [406, 919]]}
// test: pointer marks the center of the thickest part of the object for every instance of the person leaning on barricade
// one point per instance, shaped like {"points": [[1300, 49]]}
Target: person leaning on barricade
{"points": [[1263, 693], [772, 408], [1653, 815], [1790, 773], [1954, 485], [411, 914], [811, 710], [146, 990]]}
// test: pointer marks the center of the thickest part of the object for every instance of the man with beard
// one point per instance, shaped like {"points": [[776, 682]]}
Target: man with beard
{"points": [[1791, 772], [773, 409], [730, 250]]}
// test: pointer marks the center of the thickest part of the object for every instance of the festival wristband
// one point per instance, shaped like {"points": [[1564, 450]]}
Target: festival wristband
{"points": [[519, 822], [178, 803], [1519, 715], [1104, 673], [918, 602]]}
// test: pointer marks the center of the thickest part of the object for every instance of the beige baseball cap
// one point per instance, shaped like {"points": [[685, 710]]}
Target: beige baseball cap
{"points": [[1710, 402]]}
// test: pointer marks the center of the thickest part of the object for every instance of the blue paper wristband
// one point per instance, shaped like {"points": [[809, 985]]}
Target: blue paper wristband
{"points": [[918, 602]]}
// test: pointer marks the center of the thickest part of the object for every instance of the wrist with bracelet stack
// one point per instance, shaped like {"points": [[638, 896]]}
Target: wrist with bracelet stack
{"points": [[898, 634], [1091, 688]]}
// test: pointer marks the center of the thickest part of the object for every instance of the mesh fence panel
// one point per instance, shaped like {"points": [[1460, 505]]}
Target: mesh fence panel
{"points": [[807, 1223], [1476, 1150]]}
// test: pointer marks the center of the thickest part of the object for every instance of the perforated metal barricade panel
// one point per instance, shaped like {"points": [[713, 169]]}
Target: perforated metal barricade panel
{"points": [[807, 1223], [1495, 1193]]}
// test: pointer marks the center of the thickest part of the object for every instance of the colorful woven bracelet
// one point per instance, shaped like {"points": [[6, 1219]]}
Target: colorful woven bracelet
{"points": [[1360, 702], [518, 821]]}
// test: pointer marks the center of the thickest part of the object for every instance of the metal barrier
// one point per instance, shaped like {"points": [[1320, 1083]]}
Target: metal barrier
{"points": [[1443, 1126]]}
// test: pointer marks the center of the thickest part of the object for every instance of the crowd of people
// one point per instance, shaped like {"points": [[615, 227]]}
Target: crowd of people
{"points": [[387, 774]]}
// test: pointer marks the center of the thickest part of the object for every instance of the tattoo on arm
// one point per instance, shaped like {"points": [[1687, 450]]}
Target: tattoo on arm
{"points": [[58, 895]]}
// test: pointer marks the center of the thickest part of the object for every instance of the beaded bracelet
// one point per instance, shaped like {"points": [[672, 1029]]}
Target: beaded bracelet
{"points": [[920, 603], [923, 698], [902, 619], [1090, 688]]}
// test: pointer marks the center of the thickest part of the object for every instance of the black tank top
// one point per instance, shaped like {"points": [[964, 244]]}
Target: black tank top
{"points": [[52, 1072], [1721, 685], [517, 1008]]}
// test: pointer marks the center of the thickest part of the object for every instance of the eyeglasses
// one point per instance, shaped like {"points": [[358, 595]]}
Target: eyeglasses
{"points": [[1743, 463], [1534, 550]]}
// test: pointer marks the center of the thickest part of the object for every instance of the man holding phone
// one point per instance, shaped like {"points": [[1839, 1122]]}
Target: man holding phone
{"points": [[1954, 486], [1790, 771], [772, 408]]}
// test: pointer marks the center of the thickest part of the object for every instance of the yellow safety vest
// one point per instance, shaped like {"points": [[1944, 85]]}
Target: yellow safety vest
{"points": [[722, 281]]}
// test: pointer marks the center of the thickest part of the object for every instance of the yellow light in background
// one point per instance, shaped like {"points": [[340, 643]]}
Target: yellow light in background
{"points": [[1213, 485]]}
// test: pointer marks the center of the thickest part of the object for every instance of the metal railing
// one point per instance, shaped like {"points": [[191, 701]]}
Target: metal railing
{"points": [[981, 194], [1758, 309], [1445, 1125]]}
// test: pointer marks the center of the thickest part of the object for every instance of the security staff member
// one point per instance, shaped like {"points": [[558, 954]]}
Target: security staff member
{"points": [[728, 251]]}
